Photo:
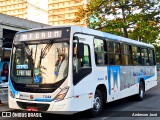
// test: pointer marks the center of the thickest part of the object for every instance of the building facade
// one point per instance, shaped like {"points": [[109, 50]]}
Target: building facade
{"points": [[35, 10], [52, 12], [62, 12]]}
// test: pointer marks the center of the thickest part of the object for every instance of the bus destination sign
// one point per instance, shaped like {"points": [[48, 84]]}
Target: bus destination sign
{"points": [[38, 35]]}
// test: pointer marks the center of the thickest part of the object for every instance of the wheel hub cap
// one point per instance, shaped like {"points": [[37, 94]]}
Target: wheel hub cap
{"points": [[97, 104]]}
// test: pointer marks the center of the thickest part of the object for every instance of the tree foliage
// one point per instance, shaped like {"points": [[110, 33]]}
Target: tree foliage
{"points": [[157, 48], [135, 19]]}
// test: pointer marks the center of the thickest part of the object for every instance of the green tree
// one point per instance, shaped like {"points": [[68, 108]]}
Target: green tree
{"points": [[135, 19], [157, 48]]}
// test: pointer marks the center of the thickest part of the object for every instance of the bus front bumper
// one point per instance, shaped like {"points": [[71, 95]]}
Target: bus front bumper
{"points": [[67, 106]]}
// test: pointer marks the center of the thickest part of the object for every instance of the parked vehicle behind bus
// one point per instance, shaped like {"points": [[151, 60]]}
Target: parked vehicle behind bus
{"points": [[5, 52]]}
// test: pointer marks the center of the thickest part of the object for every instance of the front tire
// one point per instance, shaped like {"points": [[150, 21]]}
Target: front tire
{"points": [[97, 104], [140, 95]]}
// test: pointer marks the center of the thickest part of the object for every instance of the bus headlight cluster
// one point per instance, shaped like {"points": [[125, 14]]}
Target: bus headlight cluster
{"points": [[11, 93], [61, 94]]}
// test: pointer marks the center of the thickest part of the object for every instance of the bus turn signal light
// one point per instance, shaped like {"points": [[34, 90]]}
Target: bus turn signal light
{"points": [[61, 94]]}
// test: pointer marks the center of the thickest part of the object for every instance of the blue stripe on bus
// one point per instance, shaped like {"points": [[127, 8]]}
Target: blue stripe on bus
{"points": [[14, 92], [23, 31], [43, 99], [144, 77], [115, 70]]}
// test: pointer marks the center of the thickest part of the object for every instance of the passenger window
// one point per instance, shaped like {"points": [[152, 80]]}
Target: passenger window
{"points": [[86, 58], [139, 56], [114, 53], [125, 54], [151, 57], [100, 52], [136, 55], [144, 54]]}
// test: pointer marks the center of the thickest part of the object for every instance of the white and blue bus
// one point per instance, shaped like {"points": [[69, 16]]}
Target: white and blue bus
{"points": [[68, 69]]}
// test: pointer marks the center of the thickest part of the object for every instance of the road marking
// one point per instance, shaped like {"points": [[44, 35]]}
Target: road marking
{"points": [[104, 118], [4, 101]]}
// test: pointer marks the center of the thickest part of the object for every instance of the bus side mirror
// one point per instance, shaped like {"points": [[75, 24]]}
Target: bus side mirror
{"points": [[80, 50]]}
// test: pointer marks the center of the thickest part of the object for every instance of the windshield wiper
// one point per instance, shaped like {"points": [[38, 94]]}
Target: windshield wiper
{"points": [[28, 53], [27, 50], [45, 51]]}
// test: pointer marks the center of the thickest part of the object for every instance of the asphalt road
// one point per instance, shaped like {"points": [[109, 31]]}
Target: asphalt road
{"points": [[112, 111], [4, 94]]}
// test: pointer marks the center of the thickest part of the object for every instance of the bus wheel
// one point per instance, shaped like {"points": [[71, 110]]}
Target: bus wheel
{"points": [[97, 104], [141, 92]]}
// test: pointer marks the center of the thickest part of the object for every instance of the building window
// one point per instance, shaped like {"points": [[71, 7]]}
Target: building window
{"points": [[71, 8], [55, 23], [66, 3]]}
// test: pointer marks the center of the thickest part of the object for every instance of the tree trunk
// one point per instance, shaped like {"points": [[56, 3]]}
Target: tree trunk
{"points": [[124, 20]]}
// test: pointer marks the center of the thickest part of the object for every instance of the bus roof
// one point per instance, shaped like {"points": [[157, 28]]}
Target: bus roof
{"points": [[115, 37], [95, 33]]}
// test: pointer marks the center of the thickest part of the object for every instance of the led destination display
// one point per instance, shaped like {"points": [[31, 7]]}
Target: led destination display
{"points": [[39, 35], [42, 34]]}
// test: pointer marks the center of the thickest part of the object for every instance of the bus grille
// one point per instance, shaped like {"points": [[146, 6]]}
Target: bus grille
{"points": [[40, 107], [35, 90]]}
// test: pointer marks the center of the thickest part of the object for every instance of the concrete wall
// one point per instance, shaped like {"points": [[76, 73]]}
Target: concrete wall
{"points": [[18, 23]]}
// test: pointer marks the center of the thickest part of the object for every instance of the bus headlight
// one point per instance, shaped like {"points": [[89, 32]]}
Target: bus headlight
{"points": [[61, 94], [10, 93]]}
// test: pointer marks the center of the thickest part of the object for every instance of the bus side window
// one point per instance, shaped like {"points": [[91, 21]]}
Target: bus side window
{"points": [[144, 54], [139, 56], [117, 54], [134, 55], [86, 59], [111, 55], [100, 52], [114, 53], [151, 57], [125, 49]]}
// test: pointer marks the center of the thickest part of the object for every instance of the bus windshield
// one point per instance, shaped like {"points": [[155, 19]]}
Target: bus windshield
{"points": [[39, 63]]}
